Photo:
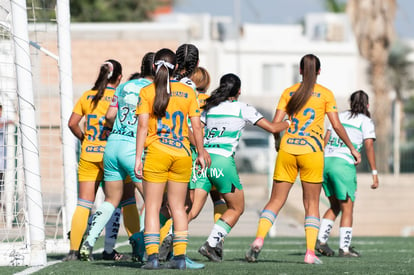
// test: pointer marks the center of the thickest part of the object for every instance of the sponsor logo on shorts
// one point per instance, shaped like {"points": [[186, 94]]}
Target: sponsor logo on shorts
{"points": [[210, 173]]}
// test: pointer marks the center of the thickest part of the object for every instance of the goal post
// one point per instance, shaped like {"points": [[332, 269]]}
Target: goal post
{"points": [[29, 137], [39, 184], [69, 141]]}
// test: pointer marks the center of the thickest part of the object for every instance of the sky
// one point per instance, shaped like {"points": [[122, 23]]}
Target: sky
{"points": [[285, 11]]}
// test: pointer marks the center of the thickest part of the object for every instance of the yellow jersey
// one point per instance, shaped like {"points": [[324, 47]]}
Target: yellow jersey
{"points": [[96, 134], [202, 99], [305, 134], [170, 133]]}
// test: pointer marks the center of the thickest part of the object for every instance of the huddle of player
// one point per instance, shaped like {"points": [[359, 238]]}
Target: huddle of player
{"points": [[161, 134]]}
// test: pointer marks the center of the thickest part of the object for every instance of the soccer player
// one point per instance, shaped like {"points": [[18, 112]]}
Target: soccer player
{"points": [[301, 150], [163, 108], [92, 105], [340, 180], [119, 160], [187, 56], [201, 79], [224, 118]]}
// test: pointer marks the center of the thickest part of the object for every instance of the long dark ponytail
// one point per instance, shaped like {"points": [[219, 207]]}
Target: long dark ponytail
{"points": [[359, 104], [109, 72], [165, 63], [229, 86], [309, 67]]}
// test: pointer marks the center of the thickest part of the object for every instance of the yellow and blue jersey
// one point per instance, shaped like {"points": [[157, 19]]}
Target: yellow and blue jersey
{"points": [[202, 97], [305, 134], [96, 134], [171, 131]]}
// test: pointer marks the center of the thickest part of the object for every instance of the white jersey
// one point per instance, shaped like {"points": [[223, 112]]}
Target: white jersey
{"points": [[187, 81], [358, 128], [224, 125]]}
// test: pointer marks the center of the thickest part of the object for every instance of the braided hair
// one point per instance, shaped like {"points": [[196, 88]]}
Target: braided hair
{"points": [[187, 60]]}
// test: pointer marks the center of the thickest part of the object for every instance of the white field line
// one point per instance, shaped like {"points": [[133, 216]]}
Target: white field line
{"points": [[34, 269]]}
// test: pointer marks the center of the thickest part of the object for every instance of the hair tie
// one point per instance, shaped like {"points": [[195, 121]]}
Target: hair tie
{"points": [[111, 68], [167, 65]]}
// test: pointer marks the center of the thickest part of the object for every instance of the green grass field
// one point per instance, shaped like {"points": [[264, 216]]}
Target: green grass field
{"points": [[280, 255]]}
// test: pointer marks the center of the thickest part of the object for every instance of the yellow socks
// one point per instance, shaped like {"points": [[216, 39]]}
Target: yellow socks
{"points": [[79, 223], [180, 242], [219, 208], [152, 242], [311, 232], [130, 216], [266, 221], [165, 229]]}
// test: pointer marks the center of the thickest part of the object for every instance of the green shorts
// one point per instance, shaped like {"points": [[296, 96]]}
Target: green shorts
{"points": [[339, 179], [222, 174]]}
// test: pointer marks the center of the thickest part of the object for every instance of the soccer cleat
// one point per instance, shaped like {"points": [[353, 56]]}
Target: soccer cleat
{"points": [[210, 252], [190, 264], [324, 249], [153, 262], [83, 238], [114, 256], [177, 262], [311, 258], [85, 253], [72, 256], [138, 246], [351, 253], [166, 248], [253, 253], [219, 249]]}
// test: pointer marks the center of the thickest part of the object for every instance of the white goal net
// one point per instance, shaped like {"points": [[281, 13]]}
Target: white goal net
{"points": [[38, 192]]}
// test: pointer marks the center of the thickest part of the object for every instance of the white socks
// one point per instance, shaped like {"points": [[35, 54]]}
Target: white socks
{"points": [[324, 230], [216, 235], [345, 238]]}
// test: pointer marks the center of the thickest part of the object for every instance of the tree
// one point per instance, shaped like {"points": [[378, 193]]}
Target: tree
{"points": [[41, 11], [409, 113], [373, 25], [400, 73], [400, 79], [113, 11], [97, 10], [336, 6]]}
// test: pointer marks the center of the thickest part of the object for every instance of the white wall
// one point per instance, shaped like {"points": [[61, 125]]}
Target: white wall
{"points": [[281, 46]]}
